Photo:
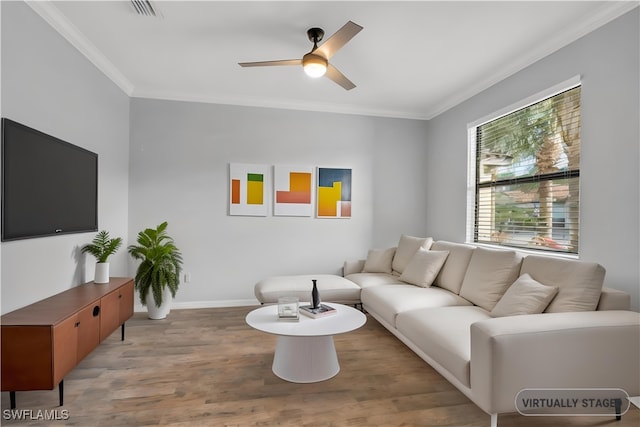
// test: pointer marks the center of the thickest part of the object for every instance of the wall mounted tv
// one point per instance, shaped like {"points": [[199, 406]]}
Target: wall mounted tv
{"points": [[49, 186]]}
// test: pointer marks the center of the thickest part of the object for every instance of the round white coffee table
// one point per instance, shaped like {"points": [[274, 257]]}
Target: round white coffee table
{"points": [[305, 352]]}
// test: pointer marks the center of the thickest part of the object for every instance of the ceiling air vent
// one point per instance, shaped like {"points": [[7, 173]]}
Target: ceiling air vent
{"points": [[145, 7]]}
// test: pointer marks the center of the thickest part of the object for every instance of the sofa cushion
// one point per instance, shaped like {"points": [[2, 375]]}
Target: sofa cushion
{"points": [[364, 280], [452, 272], [379, 260], [407, 247], [579, 282], [444, 334], [385, 302], [525, 296], [330, 287], [424, 267], [488, 276]]}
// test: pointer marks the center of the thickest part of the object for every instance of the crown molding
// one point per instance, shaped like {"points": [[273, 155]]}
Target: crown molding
{"points": [[47, 11], [280, 104]]}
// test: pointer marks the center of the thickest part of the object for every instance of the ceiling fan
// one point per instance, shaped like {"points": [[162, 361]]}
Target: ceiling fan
{"points": [[316, 62]]}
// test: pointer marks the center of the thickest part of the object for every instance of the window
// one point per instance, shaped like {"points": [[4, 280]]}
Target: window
{"points": [[526, 175]]}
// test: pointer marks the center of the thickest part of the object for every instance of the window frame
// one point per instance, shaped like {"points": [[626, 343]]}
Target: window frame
{"points": [[472, 167]]}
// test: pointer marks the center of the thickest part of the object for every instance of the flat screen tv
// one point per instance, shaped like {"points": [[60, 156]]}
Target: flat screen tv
{"points": [[49, 186]]}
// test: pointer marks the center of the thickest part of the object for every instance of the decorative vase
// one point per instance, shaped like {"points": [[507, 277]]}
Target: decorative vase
{"points": [[315, 297], [102, 273], [155, 312]]}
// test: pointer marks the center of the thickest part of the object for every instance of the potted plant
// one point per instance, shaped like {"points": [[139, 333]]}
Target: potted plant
{"points": [[102, 247], [158, 274]]}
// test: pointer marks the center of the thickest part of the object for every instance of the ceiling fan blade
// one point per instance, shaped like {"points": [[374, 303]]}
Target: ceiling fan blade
{"points": [[271, 63], [338, 39], [335, 75]]}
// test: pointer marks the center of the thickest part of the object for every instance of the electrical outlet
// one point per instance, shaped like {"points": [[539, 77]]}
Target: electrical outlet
{"points": [[187, 277]]}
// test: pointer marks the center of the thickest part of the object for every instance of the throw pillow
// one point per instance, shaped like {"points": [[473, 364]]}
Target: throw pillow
{"points": [[525, 296], [579, 282], [488, 276], [424, 267], [407, 246], [379, 260]]}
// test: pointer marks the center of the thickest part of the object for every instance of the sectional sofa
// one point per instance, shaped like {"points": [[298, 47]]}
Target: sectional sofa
{"points": [[492, 322]]}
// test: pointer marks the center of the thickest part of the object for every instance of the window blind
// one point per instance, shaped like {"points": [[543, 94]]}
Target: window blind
{"points": [[527, 176]]}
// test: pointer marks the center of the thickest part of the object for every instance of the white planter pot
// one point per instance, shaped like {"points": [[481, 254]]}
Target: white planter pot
{"points": [[102, 273], [161, 312]]}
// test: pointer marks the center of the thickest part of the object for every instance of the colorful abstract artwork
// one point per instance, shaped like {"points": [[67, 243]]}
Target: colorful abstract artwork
{"points": [[249, 189], [293, 191], [334, 193]]}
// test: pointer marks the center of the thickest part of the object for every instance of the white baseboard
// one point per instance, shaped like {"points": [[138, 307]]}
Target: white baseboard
{"points": [[204, 304]]}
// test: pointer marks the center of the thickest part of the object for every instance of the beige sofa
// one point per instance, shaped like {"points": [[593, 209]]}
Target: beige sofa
{"points": [[492, 322]]}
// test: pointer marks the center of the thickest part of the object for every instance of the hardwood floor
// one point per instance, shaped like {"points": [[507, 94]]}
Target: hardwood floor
{"points": [[206, 367]]}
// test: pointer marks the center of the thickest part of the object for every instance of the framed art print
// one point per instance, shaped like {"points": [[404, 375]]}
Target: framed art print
{"points": [[333, 193], [249, 189], [293, 190]]}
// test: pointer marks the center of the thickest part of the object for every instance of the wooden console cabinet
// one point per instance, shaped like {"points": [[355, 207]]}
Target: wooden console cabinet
{"points": [[44, 341]]}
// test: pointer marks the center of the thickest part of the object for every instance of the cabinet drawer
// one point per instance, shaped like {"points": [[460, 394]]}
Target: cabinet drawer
{"points": [[126, 302], [65, 348], [88, 329], [26, 358], [110, 316], [117, 308]]}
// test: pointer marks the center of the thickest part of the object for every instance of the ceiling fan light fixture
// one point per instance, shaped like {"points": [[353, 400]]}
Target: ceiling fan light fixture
{"points": [[316, 62], [314, 65]]}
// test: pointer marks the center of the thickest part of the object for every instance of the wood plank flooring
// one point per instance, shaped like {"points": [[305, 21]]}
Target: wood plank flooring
{"points": [[206, 367]]}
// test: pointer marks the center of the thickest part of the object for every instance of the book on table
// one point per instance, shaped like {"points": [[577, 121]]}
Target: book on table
{"points": [[322, 311]]}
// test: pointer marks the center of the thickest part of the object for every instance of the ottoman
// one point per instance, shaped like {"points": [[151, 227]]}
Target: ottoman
{"points": [[331, 288]]}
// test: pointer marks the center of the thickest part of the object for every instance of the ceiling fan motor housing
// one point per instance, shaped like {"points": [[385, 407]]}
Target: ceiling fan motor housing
{"points": [[315, 34]]}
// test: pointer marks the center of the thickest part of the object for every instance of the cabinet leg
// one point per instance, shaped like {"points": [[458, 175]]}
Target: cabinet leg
{"points": [[12, 398], [122, 339], [61, 392]]}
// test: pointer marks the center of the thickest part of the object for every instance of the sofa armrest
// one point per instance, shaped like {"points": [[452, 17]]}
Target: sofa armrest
{"points": [[553, 350], [613, 299], [351, 267]]}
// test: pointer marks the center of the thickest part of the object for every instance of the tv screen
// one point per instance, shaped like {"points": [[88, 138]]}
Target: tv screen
{"points": [[49, 186]]}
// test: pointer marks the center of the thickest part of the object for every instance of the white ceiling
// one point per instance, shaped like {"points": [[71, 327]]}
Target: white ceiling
{"points": [[413, 59]]}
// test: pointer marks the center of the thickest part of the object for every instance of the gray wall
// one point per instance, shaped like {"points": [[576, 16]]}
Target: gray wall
{"points": [[608, 61], [408, 176], [48, 85], [180, 154]]}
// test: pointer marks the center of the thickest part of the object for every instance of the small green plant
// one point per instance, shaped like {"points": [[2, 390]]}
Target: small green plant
{"points": [[161, 263], [102, 246]]}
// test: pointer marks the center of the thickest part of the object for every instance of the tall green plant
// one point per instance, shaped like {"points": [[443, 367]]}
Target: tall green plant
{"points": [[161, 263], [102, 246]]}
